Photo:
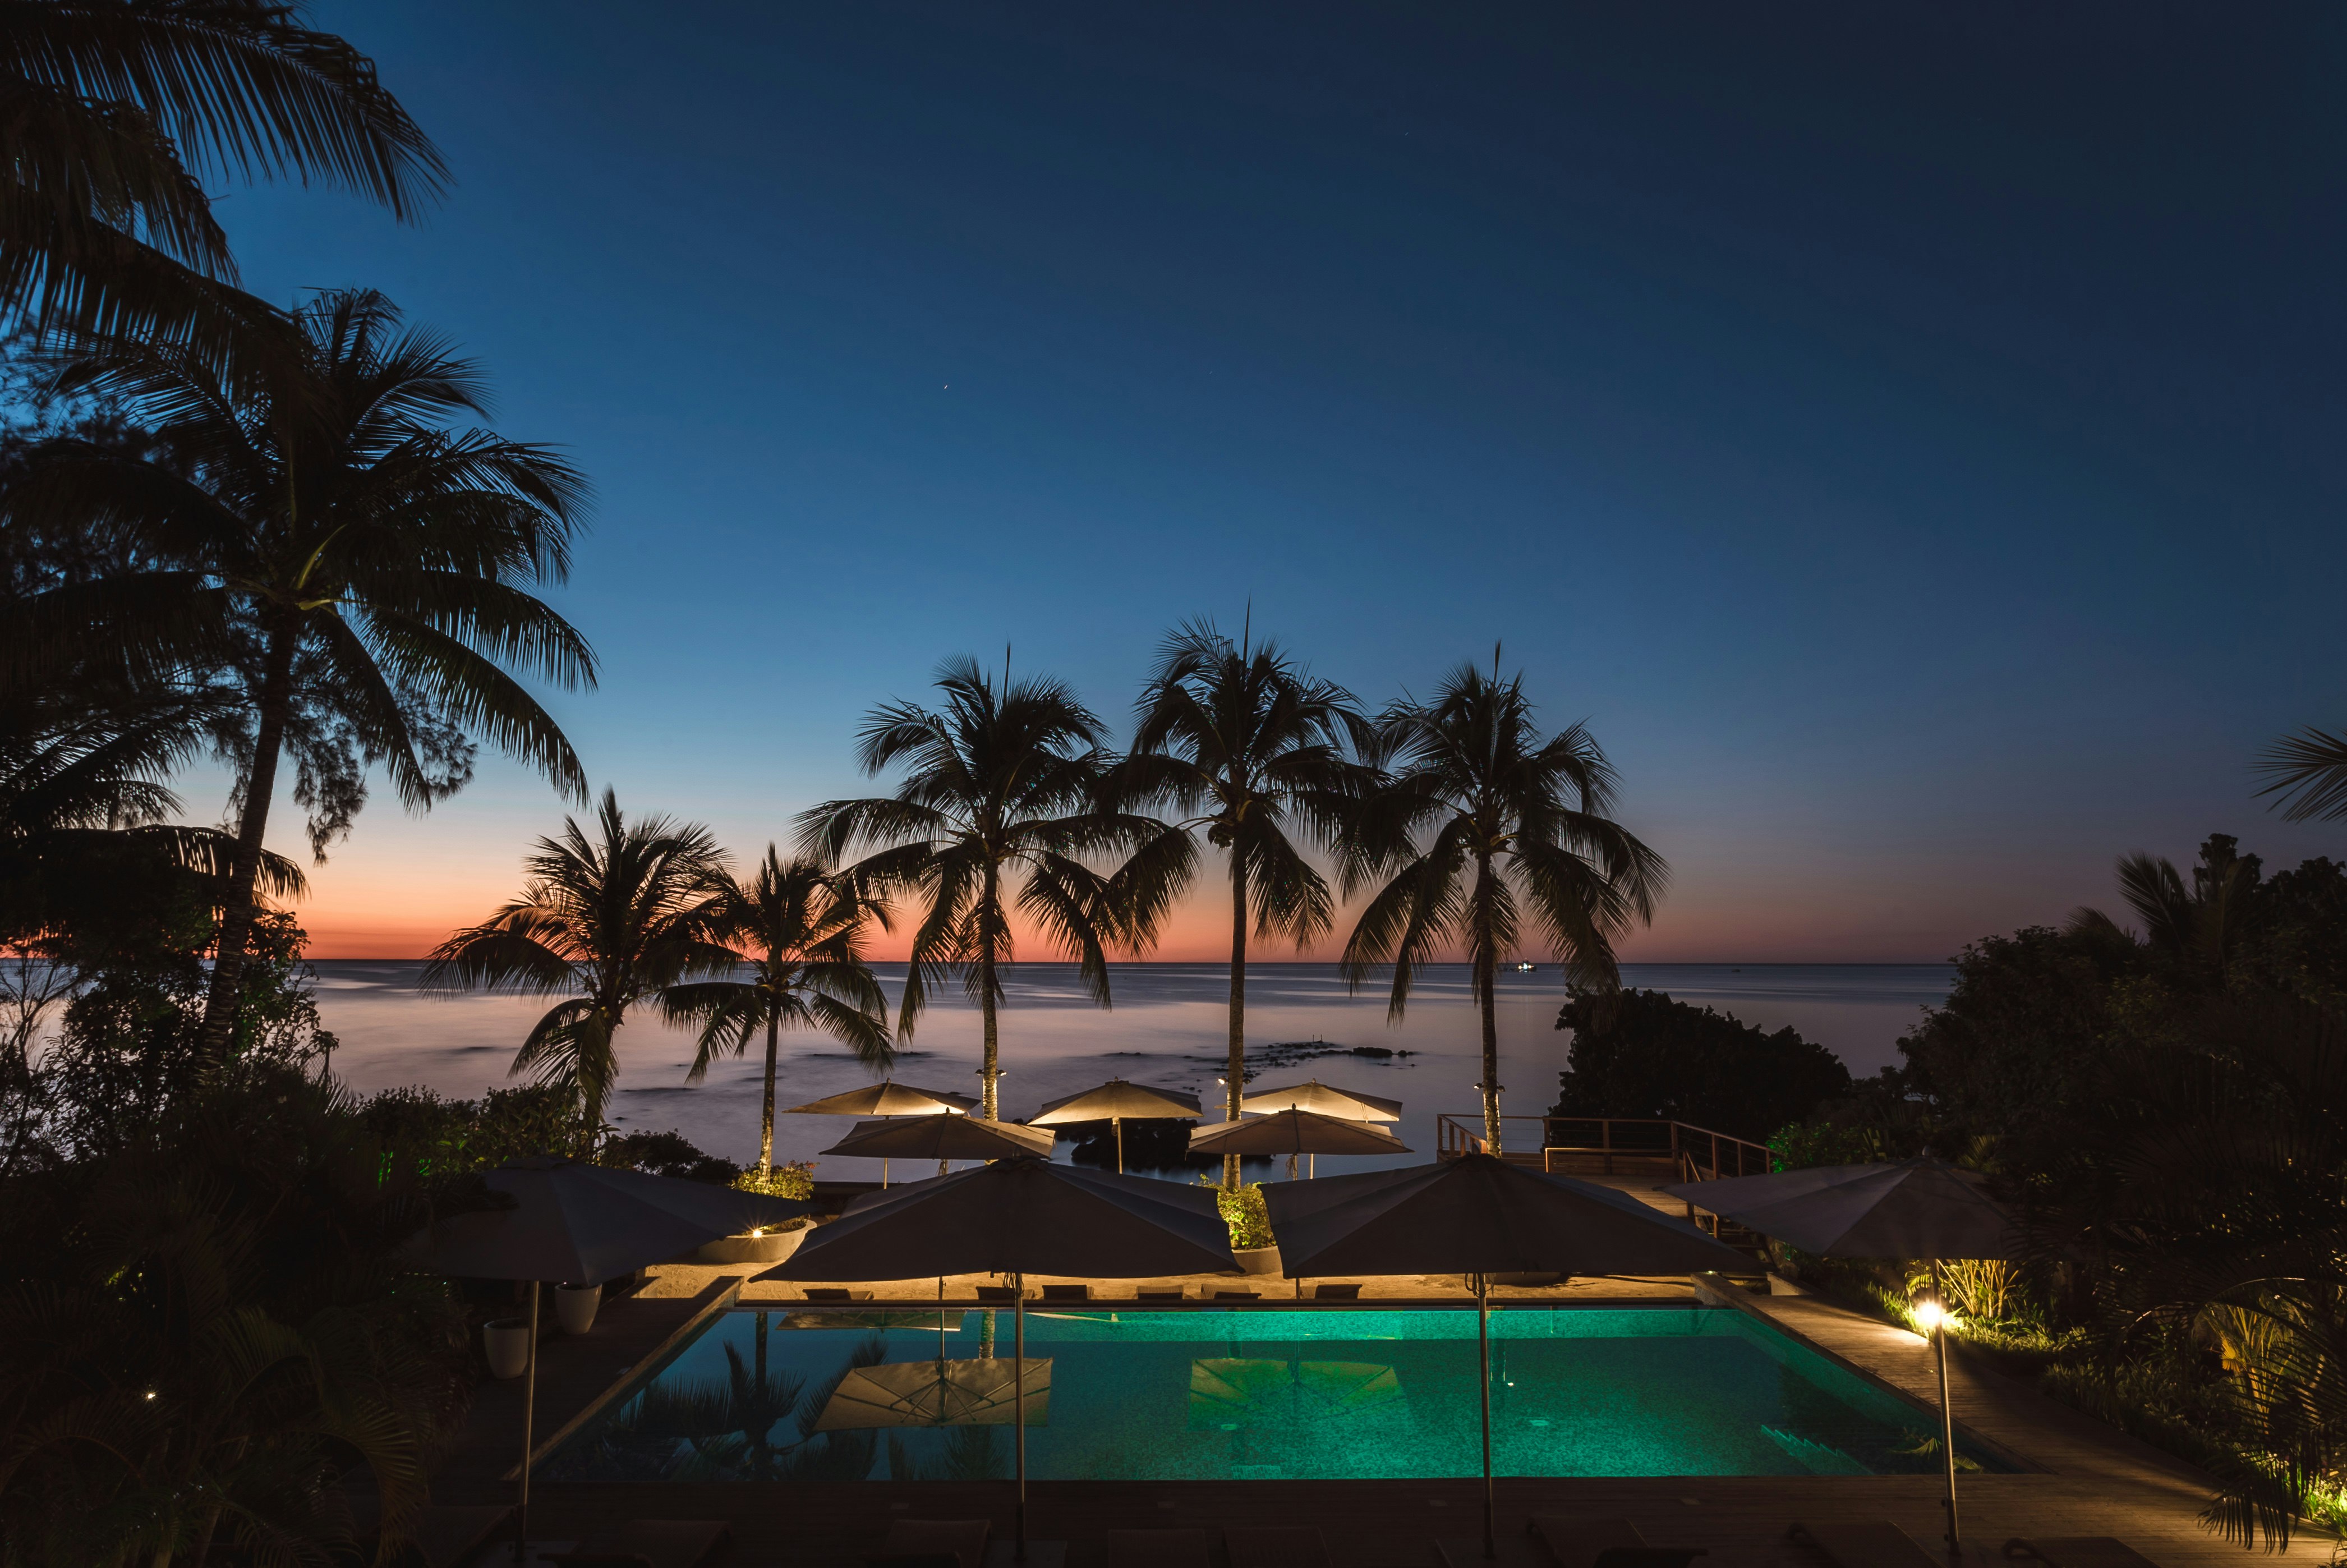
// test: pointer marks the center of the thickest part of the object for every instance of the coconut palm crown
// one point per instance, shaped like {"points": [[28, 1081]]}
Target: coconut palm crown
{"points": [[616, 914], [1238, 741], [803, 930], [1487, 836], [998, 811], [313, 540]]}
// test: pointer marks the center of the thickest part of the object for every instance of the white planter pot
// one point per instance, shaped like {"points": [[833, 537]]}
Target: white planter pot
{"points": [[574, 1307], [507, 1340], [772, 1248], [1257, 1259]]}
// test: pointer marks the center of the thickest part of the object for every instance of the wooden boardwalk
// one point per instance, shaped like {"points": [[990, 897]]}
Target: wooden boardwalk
{"points": [[2082, 1478]]}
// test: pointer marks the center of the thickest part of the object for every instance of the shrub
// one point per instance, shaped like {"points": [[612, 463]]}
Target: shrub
{"points": [[669, 1154], [796, 1180], [1244, 1211], [1640, 1054]]}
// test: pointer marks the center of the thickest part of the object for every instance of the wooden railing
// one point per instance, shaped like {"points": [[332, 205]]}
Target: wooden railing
{"points": [[1608, 1145]]}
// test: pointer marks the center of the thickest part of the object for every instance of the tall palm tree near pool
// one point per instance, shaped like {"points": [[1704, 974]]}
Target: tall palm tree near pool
{"points": [[317, 541], [804, 932], [1486, 835], [998, 811], [616, 913], [1238, 739]]}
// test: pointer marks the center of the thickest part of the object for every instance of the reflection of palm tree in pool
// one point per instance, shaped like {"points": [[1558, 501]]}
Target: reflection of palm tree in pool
{"points": [[730, 1424]]}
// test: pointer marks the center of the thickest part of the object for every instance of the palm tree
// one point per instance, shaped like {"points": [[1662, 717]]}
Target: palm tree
{"points": [[2309, 774], [317, 540], [804, 931], [618, 914], [998, 810], [2194, 932], [1238, 739], [1480, 823], [117, 109]]}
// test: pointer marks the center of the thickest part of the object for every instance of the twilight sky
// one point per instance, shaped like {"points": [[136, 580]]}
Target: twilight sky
{"points": [[1913, 443]]}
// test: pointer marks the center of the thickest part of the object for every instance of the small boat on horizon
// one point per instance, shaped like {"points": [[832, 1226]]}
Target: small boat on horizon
{"points": [[1524, 968]]}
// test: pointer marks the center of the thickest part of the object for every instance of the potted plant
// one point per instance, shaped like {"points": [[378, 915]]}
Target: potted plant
{"points": [[1251, 1239], [574, 1305], [507, 1342]]}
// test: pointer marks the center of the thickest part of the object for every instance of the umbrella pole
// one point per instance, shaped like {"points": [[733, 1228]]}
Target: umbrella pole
{"points": [[1117, 1123], [1947, 1412], [1483, 1364], [1018, 1410], [528, 1409]]}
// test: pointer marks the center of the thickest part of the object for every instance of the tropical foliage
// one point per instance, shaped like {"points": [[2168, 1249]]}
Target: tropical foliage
{"points": [[1487, 836], [616, 914], [1639, 1054], [1241, 743]]}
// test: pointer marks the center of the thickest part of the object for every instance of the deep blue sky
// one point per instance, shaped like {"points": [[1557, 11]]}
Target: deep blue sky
{"points": [[1911, 438]]}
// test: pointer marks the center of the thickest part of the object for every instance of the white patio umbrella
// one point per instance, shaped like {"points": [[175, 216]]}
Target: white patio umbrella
{"points": [[1115, 1103], [1293, 1133], [1019, 1217], [888, 1098], [1323, 1100], [1479, 1215], [1921, 1208], [582, 1224]]}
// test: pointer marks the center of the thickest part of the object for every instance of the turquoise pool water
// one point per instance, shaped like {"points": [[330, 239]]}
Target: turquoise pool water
{"points": [[1212, 1395]]}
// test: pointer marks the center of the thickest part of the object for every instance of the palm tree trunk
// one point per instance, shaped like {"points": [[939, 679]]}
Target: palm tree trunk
{"points": [[766, 1119], [987, 1074], [1487, 963], [1237, 1079], [219, 1031]]}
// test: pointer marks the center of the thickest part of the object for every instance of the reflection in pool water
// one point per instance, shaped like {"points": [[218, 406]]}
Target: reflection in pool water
{"points": [[792, 1395]]}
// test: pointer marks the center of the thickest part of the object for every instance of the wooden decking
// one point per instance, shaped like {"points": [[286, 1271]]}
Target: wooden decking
{"points": [[2083, 1479]]}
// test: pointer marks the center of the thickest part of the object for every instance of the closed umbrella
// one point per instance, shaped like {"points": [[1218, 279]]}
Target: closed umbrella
{"points": [[1479, 1215], [582, 1223], [1019, 1217], [1114, 1103], [1323, 1100], [1293, 1133], [1919, 1208]]}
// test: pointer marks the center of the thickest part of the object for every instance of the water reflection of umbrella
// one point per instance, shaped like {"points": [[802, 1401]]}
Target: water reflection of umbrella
{"points": [[1479, 1215], [582, 1223], [981, 1393], [1921, 1208], [1293, 1133], [1329, 1406], [1115, 1103], [1324, 1099]]}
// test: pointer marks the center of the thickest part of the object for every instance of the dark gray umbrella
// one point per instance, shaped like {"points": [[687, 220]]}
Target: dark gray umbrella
{"points": [[584, 1224], [941, 1138], [1919, 1208], [1117, 1102], [1293, 1133], [1481, 1215], [1021, 1216]]}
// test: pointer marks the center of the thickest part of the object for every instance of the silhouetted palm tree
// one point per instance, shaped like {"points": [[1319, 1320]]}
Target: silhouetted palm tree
{"points": [[1481, 823], [1238, 741], [318, 542], [804, 930], [2197, 932], [117, 109], [2309, 774], [618, 914], [998, 811]]}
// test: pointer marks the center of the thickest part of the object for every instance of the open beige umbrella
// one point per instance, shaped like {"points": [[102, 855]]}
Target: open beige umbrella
{"points": [[941, 1138], [888, 1098], [1323, 1100], [1479, 1215], [1921, 1208], [1293, 1133], [1021, 1216], [1115, 1103]]}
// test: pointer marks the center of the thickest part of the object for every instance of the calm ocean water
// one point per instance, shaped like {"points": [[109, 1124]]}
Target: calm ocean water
{"points": [[1167, 1029]]}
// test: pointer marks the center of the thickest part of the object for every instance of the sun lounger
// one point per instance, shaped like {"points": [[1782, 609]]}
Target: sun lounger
{"points": [[1276, 1546], [1176, 1294], [445, 1534], [1865, 1544], [835, 1293], [1234, 1295], [2078, 1551], [1575, 1540], [1067, 1293], [650, 1543], [1336, 1292], [998, 1293], [932, 1543], [1161, 1549], [1648, 1556]]}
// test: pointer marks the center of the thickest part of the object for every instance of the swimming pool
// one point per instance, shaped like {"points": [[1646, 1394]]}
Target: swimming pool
{"points": [[799, 1394]]}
